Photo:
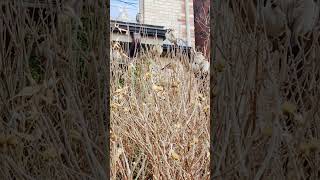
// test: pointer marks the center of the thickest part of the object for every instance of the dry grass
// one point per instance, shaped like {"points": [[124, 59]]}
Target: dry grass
{"points": [[159, 121], [261, 133], [53, 85]]}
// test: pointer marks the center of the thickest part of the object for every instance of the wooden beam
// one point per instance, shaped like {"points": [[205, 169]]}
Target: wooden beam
{"points": [[128, 38]]}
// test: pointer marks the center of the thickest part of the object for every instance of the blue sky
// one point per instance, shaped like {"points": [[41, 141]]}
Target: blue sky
{"points": [[115, 6]]}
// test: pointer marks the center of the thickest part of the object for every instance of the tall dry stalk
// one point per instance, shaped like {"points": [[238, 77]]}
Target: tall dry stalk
{"points": [[53, 91], [262, 134], [202, 26], [159, 120]]}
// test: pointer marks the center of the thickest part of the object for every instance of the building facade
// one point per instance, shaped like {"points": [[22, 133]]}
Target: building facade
{"points": [[174, 14]]}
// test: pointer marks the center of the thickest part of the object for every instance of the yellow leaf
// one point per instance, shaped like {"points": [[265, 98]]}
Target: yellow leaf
{"points": [[161, 95], [126, 109], [12, 140], [267, 131], [75, 134], [206, 109], [113, 137], [174, 155], [157, 88], [311, 146], [194, 141], [119, 90], [288, 108], [201, 98], [148, 75], [175, 84], [178, 125], [115, 105]]}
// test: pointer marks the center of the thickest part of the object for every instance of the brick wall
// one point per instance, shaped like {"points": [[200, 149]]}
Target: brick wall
{"points": [[171, 14]]}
